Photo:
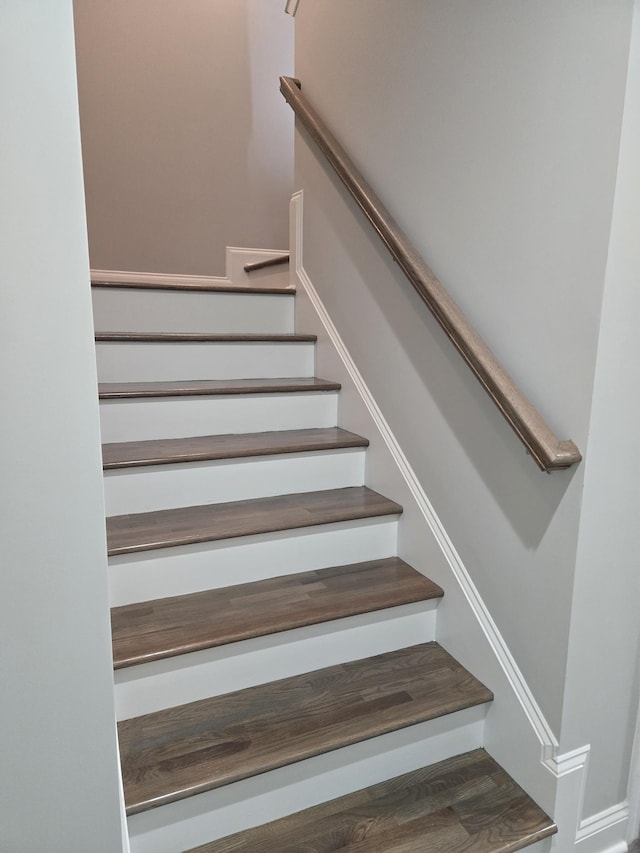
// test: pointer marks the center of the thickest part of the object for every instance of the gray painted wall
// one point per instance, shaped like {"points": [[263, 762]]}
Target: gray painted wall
{"points": [[187, 145], [491, 130], [59, 770], [603, 672]]}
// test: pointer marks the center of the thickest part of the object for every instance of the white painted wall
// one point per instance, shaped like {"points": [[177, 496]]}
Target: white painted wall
{"points": [[604, 651], [491, 130], [187, 145], [58, 771]]}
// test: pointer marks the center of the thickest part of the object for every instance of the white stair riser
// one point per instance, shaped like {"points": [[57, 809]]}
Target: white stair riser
{"points": [[269, 796], [180, 417], [151, 687], [117, 309], [132, 490], [211, 565], [168, 362]]}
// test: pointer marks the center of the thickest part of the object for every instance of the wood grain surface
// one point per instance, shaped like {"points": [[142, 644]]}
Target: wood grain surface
{"points": [[178, 752], [209, 387], [466, 804], [187, 525], [195, 287], [210, 447], [153, 630], [202, 337]]}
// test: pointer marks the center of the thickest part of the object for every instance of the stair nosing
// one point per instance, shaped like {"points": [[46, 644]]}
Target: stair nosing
{"points": [[118, 523], [213, 388], [341, 819], [203, 646], [299, 613], [202, 337], [194, 288], [329, 737], [345, 441]]}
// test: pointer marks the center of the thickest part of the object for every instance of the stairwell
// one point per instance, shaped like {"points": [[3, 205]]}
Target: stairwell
{"points": [[278, 683]]}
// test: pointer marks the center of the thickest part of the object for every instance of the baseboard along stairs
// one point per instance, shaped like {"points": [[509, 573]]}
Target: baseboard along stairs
{"points": [[278, 683]]}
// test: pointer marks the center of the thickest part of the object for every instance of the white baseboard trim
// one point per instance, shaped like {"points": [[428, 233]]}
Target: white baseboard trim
{"points": [[571, 766], [633, 789], [618, 847], [568, 762], [603, 821], [604, 832], [155, 278], [124, 832], [236, 258]]}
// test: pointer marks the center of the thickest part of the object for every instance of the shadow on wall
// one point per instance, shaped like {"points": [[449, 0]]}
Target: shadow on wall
{"points": [[447, 388], [181, 157]]}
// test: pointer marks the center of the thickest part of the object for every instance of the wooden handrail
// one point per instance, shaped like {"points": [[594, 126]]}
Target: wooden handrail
{"points": [[275, 261], [549, 452]]}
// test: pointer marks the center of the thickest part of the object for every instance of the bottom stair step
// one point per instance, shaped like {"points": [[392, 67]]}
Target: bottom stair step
{"points": [[466, 803], [176, 753]]}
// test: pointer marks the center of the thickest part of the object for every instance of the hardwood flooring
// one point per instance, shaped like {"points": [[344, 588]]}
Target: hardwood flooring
{"points": [[177, 752], [195, 286], [187, 525], [466, 804], [209, 387], [211, 447], [201, 337], [153, 630]]}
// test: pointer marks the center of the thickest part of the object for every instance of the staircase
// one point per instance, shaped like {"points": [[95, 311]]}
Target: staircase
{"points": [[278, 683]]}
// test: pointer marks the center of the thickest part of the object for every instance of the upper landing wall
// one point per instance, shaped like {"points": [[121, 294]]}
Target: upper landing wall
{"points": [[187, 145]]}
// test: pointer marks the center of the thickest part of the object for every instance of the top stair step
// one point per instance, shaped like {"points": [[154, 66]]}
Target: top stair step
{"points": [[202, 337], [178, 752], [465, 804], [193, 287]]}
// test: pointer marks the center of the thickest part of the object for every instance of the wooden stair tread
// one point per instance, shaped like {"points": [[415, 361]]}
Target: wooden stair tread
{"points": [[152, 630], [208, 387], [202, 337], [465, 804], [178, 752], [187, 525], [195, 287], [210, 447]]}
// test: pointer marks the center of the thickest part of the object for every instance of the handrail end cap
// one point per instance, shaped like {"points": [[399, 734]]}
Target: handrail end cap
{"points": [[565, 456]]}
